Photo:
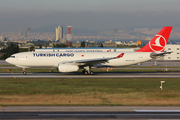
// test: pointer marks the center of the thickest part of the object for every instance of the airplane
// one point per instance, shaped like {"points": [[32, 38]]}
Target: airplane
{"points": [[73, 61]]}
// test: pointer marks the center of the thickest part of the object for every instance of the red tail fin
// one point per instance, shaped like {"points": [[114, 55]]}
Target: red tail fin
{"points": [[159, 41]]}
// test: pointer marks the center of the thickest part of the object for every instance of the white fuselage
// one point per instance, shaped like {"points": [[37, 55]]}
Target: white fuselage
{"points": [[52, 59]]}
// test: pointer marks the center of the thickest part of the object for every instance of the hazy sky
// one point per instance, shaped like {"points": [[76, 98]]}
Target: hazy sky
{"points": [[89, 14]]}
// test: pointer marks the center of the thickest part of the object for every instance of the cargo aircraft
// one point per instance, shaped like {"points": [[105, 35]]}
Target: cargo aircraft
{"points": [[73, 61]]}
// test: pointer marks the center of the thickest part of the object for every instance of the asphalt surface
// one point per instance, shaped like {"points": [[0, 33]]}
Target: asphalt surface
{"points": [[100, 74], [3, 62], [148, 63], [96, 113], [96, 75], [85, 112]]}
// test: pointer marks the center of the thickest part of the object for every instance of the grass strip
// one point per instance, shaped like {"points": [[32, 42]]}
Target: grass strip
{"points": [[116, 91]]}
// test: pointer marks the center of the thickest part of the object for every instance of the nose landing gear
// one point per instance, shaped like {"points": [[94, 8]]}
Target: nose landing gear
{"points": [[24, 71]]}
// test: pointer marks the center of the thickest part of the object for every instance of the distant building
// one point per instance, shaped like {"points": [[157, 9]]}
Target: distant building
{"points": [[63, 40], [141, 29], [21, 33], [24, 34], [118, 42], [110, 41], [138, 42], [148, 38], [59, 35], [76, 44], [2, 38], [133, 44], [109, 44]]}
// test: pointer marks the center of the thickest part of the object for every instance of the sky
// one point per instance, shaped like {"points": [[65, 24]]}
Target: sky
{"points": [[16, 15]]}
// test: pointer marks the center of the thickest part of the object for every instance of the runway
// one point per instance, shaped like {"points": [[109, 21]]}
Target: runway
{"points": [[96, 75], [86, 112], [100, 74], [91, 112], [147, 63]]}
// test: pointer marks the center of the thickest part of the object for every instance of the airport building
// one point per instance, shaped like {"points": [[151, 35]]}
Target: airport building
{"points": [[175, 49], [91, 49]]}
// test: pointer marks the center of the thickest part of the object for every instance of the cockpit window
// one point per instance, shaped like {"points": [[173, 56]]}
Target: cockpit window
{"points": [[12, 57]]}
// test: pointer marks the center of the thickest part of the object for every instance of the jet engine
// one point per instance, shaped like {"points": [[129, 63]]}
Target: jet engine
{"points": [[67, 68]]}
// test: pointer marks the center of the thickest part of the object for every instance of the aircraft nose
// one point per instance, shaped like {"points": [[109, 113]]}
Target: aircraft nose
{"points": [[7, 60]]}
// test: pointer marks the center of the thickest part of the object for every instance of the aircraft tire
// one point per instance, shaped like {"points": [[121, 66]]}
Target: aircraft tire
{"points": [[86, 72], [91, 72], [24, 72], [83, 72]]}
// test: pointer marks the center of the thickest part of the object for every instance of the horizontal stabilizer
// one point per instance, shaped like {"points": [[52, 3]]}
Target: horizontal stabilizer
{"points": [[121, 55], [154, 55]]}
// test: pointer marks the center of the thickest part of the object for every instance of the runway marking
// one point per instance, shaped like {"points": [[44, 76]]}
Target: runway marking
{"points": [[157, 110], [163, 119], [70, 115], [99, 75]]}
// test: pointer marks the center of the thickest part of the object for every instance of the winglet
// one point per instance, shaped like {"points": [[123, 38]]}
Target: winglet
{"points": [[121, 55]]}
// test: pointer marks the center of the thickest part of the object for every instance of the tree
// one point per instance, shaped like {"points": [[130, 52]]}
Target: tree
{"points": [[32, 48], [83, 44], [101, 45], [59, 46], [11, 49], [40, 46]]}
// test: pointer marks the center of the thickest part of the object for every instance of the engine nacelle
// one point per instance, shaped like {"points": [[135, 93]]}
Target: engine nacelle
{"points": [[67, 68]]}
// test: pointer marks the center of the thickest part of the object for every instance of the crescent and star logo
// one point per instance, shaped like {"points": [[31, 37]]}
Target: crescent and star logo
{"points": [[158, 43]]}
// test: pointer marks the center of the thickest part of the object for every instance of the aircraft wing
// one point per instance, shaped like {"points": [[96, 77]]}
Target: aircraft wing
{"points": [[154, 55], [91, 62]]}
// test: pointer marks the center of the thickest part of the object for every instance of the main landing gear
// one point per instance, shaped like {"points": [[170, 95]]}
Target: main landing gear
{"points": [[24, 71], [86, 71]]}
